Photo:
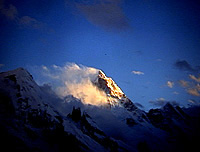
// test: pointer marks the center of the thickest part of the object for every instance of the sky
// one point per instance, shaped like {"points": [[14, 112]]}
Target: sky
{"points": [[151, 48]]}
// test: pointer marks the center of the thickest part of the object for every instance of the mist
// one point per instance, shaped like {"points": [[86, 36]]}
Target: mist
{"points": [[76, 80]]}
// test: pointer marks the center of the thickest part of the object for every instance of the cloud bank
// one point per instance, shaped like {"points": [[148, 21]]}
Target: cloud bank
{"points": [[76, 80]]}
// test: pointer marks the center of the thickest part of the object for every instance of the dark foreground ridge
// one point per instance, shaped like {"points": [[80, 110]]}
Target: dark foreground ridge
{"points": [[33, 119]]}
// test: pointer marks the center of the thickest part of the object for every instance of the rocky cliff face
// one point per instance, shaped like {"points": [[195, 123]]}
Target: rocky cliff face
{"points": [[116, 96], [109, 86]]}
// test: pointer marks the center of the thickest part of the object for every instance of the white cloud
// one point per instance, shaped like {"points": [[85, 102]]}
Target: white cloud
{"points": [[193, 91], [193, 102], [44, 68], [184, 83], [175, 93], [192, 88], [197, 87], [197, 79], [138, 72], [160, 99], [76, 80], [170, 84], [55, 66]]}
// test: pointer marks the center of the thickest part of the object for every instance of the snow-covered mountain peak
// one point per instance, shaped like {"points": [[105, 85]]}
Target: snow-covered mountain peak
{"points": [[19, 74], [18, 71], [25, 90]]}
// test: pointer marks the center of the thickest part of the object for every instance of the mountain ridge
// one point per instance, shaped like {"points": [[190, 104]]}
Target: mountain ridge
{"points": [[28, 115]]}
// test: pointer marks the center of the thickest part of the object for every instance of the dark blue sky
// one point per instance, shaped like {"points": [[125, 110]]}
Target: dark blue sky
{"points": [[146, 46]]}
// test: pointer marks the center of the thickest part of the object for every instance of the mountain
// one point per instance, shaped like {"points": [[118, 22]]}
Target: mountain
{"points": [[113, 91], [34, 118]]}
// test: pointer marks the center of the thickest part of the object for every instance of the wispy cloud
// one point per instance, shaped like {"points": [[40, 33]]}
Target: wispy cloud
{"points": [[161, 102], [27, 21], [45, 68], [193, 102], [197, 79], [11, 13], [184, 83], [138, 72], [193, 91], [107, 14], [170, 84], [192, 87], [158, 102], [176, 93], [139, 105]]}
